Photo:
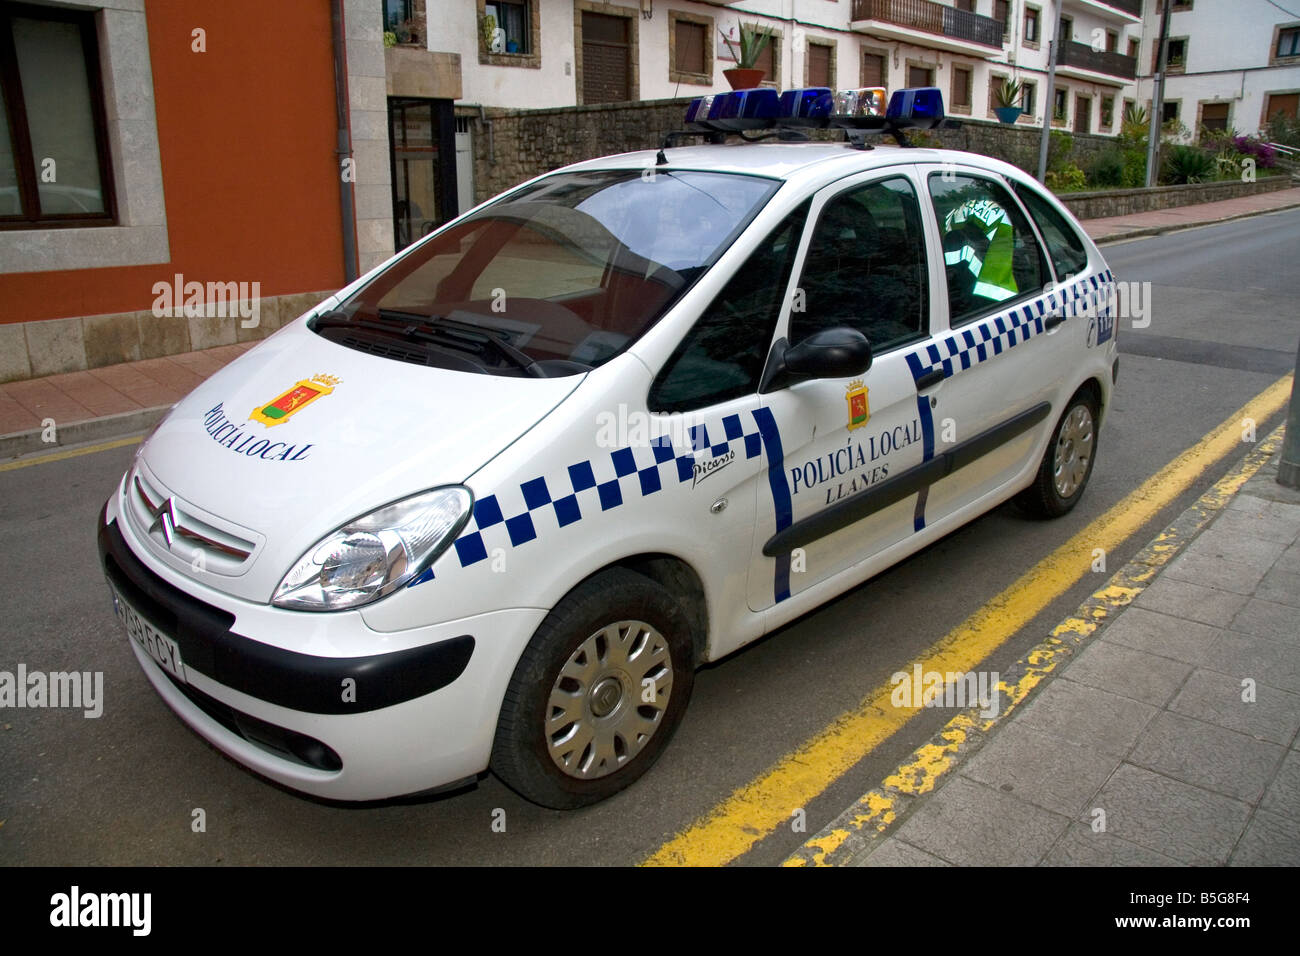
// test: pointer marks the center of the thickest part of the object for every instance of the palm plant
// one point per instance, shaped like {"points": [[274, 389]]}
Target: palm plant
{"points": [[1009, 94], [753, 41]]}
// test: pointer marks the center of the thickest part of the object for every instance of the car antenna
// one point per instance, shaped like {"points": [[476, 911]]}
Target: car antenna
{"points": [[661, 158]]}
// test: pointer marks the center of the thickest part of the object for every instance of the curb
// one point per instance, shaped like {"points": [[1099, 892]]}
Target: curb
{"points": [[1143, 232], [852, 836], [31, 441]]}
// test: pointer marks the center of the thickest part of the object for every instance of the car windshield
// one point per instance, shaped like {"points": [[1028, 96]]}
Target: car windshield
{"points": [[554, 279]]}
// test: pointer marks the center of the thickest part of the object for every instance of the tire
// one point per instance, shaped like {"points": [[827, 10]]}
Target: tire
{"points": [[585, 665], [1067, 463]]}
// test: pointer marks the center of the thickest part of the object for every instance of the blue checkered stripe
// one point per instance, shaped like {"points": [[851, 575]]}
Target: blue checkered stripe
{"points": [[963, 348], [511, 518]]}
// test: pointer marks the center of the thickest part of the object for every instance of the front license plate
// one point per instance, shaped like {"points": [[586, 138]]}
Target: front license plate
{"points": [[157, 645]]}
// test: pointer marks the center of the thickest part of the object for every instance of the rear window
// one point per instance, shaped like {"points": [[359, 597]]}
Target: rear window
{"points": [[1063, 244], [555, 279]]}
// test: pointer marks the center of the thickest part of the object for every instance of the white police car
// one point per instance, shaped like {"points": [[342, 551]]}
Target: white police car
{"points": [[491, 504]]}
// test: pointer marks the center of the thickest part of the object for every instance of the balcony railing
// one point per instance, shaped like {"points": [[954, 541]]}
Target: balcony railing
{"points": [[1084, 57], [929, 17]]}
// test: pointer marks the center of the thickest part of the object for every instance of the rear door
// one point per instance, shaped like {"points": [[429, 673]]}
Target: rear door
{"points": [[992, 376]]}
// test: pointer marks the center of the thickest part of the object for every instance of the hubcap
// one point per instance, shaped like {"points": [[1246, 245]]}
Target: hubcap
{"points": [[1073, 451], [609, 699]]}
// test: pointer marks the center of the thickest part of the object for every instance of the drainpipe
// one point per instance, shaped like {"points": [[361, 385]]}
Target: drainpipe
{"points": [[343, 148], [487, 124]]}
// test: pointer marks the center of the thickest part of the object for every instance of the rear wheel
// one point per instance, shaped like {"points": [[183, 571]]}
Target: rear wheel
{"points": [[597, 693], [1067, 463]]}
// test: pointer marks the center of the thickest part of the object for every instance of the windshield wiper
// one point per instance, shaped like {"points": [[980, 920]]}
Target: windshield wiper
{"points": [[461, 334]]}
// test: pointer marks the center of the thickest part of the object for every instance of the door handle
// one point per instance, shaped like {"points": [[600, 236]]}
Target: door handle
{"points": [[1052, 321], [932, 377]]}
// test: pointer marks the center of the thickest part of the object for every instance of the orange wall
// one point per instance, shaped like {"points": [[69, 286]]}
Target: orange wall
{"points": [[247, 137]]}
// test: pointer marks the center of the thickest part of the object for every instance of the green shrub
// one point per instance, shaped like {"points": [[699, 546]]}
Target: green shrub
{"points": [[1060, 145], [1106, 170], [1283, 129], [1188, 164], [1069, 178]]}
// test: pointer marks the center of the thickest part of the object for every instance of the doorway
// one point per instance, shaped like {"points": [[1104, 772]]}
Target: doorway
{"points": [[423, 137], [606, 58]]}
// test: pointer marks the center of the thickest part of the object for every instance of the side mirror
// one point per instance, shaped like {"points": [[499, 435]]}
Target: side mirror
{"points": [[830, 353]]}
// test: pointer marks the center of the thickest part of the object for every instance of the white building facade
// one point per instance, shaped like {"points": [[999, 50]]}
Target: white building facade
{"points": [[573, 52], [1234, 64]]}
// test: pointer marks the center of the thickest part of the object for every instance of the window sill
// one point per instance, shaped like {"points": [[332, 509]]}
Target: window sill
{"points": [[695, 79], [532, 61]]}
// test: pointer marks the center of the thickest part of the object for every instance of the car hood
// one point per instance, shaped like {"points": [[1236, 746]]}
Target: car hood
{"points": [[300, 435]]}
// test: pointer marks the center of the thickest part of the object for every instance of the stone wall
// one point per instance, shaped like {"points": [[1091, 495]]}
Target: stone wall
{"points": [[514, 145], [1126, 202], [51, 346]]}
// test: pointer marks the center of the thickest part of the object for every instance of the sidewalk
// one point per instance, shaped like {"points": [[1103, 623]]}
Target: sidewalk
{"points": [[1161, 220], [1170, 740], [118, 400]]}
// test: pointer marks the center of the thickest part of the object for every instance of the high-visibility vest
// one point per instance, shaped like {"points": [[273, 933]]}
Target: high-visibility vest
{"points": [[994, 276]]}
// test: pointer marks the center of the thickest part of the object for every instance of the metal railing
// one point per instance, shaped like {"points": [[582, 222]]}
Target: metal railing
{"points": [[930, 17], [1084, 57]]}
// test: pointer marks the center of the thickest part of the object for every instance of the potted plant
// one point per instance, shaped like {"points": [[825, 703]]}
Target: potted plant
{"points": [[754, 39], [487, 26], [1006, 101]]}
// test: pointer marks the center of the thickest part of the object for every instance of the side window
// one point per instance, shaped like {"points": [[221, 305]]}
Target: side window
{"points": [[1063, 243], [722, 355], [865, 267], [989, 252]]}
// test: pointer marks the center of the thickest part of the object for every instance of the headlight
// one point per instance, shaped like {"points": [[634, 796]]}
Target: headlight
{"points": [[376, 554]]}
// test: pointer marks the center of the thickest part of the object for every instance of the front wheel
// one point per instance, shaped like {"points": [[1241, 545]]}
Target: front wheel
{"points": [[597, 693], [1067, 463]]}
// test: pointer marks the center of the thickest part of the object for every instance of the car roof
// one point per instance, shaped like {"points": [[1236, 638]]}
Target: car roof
{"points": [[790, 161]]}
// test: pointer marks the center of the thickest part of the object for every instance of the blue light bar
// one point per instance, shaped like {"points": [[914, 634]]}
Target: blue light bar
{"points": [[747, 109], [920, 108], [817, 106], [805, 107]]}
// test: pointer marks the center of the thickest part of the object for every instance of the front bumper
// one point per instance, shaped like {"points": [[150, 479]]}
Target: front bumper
{"points": [[342, 727]]}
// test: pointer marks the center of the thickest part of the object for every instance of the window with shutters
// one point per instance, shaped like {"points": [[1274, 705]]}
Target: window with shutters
{"points": [[1002, 14], [875, 69], [690, 48], [1214, 116], [606, 68], [769, 61], [960, 97], [919, 74], [1281, 104], [820, 65]]}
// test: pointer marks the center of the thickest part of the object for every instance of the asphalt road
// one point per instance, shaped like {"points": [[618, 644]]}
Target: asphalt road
{"points": [[123, 788]]}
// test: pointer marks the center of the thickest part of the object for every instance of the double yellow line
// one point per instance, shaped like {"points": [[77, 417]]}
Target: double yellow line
{"points": [[756, 810]]}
